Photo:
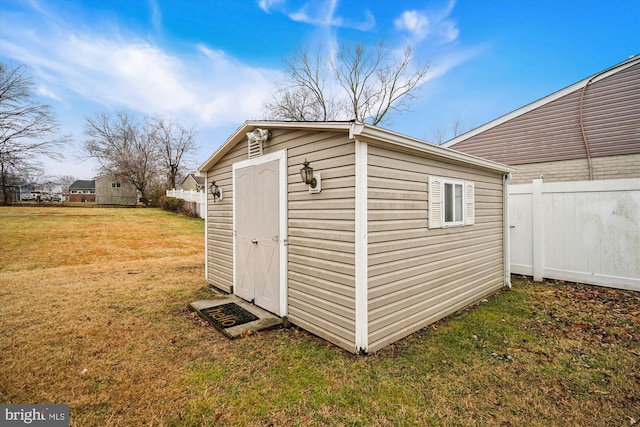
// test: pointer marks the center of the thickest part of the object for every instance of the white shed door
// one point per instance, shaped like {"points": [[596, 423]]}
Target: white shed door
{"points": [[256, 189]]}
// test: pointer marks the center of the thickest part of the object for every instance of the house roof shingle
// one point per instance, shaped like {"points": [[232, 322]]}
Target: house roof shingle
{"points": [[83, 184]]}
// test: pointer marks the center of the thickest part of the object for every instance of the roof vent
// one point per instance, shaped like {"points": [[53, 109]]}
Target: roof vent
{"points": [[256, 141]]}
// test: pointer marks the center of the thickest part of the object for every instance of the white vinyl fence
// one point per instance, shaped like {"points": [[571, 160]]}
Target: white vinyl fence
{"points": [[582, 231], [198, 197]]}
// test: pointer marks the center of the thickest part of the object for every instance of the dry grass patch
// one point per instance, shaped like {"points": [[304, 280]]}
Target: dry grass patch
{"points": [[93, 314]]}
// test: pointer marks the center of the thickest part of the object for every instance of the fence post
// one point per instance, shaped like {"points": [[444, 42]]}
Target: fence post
{"points": [[538, 229]]}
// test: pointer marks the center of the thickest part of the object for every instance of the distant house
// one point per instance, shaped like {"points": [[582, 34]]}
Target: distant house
{"points": [[12, 194], [25, 193], [587, 131], [193, 182], [82, 190], [111, 190]]}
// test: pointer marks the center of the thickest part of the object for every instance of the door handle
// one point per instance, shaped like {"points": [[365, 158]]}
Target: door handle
{"points": [[254, 241]]}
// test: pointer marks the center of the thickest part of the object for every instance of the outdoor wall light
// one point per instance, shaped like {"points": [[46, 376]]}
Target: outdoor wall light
{"points": [[310, 178], [216, 191], [259, 135], [307, 175]]}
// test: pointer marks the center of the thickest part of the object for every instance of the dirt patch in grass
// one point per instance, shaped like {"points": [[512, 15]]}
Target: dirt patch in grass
{"points": [[93, 314]]}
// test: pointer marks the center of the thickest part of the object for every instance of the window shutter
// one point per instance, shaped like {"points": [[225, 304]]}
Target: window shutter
{"points": [[469, 203], [435, 202]]}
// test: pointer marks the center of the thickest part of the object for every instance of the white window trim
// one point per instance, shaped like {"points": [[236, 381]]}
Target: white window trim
{"points": [[454, 223], [281, 157], [436, 203]]}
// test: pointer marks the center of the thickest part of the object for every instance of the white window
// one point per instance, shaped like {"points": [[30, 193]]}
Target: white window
{"points": [[451, 202], [116, 185]]}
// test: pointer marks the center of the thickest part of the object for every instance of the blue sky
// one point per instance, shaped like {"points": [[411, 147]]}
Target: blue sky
{"points": [[212, 64]]}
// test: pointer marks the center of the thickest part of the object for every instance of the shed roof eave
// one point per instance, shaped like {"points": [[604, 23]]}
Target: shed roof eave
{"points": [[356, 130], [377, 134], [250, 125]]}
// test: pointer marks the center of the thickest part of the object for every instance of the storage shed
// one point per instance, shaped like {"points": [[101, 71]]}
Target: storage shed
{"points": [[386, 235]]}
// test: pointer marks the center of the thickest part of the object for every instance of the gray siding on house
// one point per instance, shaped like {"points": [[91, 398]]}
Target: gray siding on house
{"points": [[418, 275], [192, 183], [115, 191], [551, 132], [610, 167], [321, 290]]}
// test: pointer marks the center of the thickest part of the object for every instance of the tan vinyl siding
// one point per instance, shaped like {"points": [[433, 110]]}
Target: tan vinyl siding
{"points": [[418, 275], [321, 240], [551, 132], [220, 221], [321, 227]]}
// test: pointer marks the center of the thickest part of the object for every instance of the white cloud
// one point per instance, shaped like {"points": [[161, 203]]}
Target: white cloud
{"points": [[441, 65], [205, 85], [46, 92], [156, 15], [268, 5], [414, 22], [432, 24], [324, 13]]}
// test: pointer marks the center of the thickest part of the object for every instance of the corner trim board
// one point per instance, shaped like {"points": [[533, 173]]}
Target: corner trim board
{"points": [[361, 248], [206, 228]]}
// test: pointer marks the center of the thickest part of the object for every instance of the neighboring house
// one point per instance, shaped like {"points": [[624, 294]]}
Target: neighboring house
{"points": [[13, 193], [396, 233], [25, 193], [587, 131], [82, 190], [193, 182], [110, 190]]}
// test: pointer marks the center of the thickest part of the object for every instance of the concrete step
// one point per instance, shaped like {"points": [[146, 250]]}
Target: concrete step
{"points": [[227, 322]]}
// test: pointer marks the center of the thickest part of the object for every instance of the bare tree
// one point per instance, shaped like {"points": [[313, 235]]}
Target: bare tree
{"points": [[376, 83], [358, 82], [123, 148], [65, 181], [304, 94], [62, 183], [28, 128], [454, 128], [175, 143]]}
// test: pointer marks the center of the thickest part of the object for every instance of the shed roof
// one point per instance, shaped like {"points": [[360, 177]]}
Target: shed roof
{"points": [[360, 131], [83, 184], [633, 60]]}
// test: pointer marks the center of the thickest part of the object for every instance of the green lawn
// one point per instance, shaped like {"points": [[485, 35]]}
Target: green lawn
{"points": [[93, 314]]}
